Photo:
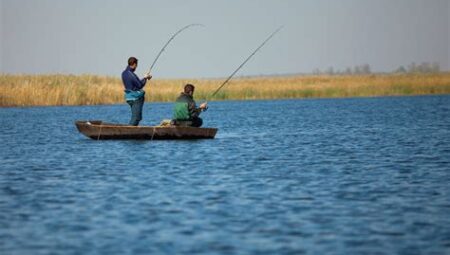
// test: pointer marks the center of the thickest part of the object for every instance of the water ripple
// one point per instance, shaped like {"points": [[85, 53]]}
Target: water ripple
{"points": [[341, 176]]}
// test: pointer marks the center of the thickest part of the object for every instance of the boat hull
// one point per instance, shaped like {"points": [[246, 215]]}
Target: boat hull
{"points": [[99, 130]]}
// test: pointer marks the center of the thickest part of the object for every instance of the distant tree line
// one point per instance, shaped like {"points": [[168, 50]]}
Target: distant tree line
{"points": [[424, 67], [359, 70], [364, 69]]}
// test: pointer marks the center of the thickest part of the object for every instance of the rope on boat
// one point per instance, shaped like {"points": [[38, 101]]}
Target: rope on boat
{"points": [[100, 131], [153, 133]]}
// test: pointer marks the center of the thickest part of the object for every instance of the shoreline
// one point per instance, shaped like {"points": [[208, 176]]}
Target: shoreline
{"points": [[233, 100]]}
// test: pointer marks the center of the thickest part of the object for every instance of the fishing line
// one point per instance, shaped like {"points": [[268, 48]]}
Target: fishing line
{"points": [[249, 57], [171, 38]]}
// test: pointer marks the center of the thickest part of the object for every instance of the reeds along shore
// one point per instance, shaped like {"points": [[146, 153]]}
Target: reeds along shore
{"points": [[46, 90]]}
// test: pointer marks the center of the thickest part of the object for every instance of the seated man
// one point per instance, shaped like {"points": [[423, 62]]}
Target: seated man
{"points": [[185, 111]]}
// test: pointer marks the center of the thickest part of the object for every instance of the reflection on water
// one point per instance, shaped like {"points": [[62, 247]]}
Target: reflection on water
{"points": [[282, 177]]}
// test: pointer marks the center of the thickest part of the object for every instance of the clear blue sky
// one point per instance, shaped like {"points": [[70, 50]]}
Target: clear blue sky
{"points": [[97, 37]]}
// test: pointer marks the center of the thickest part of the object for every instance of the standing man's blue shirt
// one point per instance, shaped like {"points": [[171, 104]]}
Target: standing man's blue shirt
{"points": [[133, 85]]}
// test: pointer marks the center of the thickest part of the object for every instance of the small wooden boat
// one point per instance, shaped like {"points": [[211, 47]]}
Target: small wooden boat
{"points": [[99, 130]]}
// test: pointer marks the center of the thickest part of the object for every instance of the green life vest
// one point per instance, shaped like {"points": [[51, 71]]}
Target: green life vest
{"points": [[183, 107], [181, 111]]}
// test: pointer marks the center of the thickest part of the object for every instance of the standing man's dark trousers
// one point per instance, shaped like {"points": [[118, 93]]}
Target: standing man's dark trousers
{"points": [[136, 110]]}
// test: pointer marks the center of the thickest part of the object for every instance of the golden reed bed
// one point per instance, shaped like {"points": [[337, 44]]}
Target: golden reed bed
{"points": [[43, 90]]}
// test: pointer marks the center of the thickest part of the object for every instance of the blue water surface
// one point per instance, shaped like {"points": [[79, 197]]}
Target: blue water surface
{"points": [[328, 176]]}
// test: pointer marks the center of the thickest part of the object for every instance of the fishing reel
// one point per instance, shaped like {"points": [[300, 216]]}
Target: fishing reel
{"points": [[204, 108]]}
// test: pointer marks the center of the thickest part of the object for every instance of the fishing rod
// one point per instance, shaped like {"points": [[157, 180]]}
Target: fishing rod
{"points": [[249, 57], [171, 38]]}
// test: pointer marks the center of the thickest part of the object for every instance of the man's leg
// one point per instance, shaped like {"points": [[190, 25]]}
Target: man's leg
{"points": [[139, 107], [197, 122], [132, 120], [136, 111]]}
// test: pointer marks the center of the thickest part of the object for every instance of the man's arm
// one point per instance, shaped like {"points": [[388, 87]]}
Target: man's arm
{"points": [[193, 110], [139, 84]]}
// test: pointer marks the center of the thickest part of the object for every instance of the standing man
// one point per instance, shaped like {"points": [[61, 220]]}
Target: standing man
{"points": [[185, 111], [134, 95]]}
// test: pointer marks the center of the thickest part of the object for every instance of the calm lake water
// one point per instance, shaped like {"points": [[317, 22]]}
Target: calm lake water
{"points": [[329, 176]]}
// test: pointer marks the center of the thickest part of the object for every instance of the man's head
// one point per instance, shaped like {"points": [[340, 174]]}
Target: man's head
{"points": [[132, 63], [189, 89]]}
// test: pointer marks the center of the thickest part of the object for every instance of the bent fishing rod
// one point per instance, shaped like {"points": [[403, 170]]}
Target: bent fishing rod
{"points": [[249, 57], [171, 38]]}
